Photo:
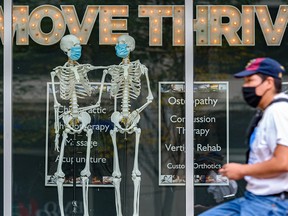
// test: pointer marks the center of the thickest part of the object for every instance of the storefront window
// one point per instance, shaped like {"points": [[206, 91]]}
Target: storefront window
{"points": [[228, 34], [158, 30]]}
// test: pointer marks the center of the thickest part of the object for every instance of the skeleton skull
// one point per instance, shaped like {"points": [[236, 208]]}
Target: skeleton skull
{"points": [[70, 45], [127, 39]]}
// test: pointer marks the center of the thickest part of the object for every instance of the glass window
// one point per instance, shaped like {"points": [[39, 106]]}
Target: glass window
{"points": [[37, 58], [228, 35]]}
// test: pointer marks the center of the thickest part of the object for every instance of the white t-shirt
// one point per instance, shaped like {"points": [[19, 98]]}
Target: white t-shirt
{"points": [[272, 129]]}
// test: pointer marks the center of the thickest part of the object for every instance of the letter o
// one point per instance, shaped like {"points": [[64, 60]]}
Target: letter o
{"points": [[58, 29], [172, 100]]}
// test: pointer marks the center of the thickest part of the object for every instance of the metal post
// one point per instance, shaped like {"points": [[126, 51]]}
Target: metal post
{"points": [[7, 111], [189, 108]]}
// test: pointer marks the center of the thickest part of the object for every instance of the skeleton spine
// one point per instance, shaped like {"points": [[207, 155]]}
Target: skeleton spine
{"points": [[125, 100], [74, 105]]}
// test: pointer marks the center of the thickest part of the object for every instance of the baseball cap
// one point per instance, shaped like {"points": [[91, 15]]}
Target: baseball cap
{"points": [[266, 66]]}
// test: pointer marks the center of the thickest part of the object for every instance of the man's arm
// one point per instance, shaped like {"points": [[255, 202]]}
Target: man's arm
{"points": [[275, 166]]}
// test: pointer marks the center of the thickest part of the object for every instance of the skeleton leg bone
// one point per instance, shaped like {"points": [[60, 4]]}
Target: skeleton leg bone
{"points": [[59, 174], [116, 173], [136, 174], [85, 173]]}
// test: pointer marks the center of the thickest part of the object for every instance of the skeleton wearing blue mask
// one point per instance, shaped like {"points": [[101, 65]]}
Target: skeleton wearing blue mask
{"points": [[73, 84], [125, 80]]}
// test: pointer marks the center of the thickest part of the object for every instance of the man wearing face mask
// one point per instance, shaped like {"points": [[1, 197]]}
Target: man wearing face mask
{"points": [[266, 172]]}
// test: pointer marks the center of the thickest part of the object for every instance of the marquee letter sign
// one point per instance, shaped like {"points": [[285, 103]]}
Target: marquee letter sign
{"points": [[210, 24]]}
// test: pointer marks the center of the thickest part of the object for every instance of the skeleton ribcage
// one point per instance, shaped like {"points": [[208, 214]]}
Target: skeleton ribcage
{"points": [[69, 84], [125, 88]]}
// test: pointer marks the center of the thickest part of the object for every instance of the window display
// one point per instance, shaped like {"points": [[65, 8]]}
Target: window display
{"points": [[126, 127]]}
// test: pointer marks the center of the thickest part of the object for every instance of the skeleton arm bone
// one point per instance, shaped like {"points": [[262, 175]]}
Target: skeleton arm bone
{"points": [[150, 95], [56, 110], [100, 94], [101, 87], [92, 67]]}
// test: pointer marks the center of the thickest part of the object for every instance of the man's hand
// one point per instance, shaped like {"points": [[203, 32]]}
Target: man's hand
{"points": [[233, 171]]}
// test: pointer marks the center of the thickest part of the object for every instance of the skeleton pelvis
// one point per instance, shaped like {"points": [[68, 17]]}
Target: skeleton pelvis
{"points": [[77, 124], [125, 123]]}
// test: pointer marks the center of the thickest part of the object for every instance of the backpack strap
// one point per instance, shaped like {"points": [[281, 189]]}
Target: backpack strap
{"points": [[279, 100], [254, 122]]}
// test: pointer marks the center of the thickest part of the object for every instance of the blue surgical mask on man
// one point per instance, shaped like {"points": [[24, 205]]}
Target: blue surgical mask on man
{"points": [[75, 52], [121, 50]]}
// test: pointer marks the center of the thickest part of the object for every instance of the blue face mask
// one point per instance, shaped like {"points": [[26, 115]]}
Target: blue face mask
{"points": [[75, 53], [121, 50]]}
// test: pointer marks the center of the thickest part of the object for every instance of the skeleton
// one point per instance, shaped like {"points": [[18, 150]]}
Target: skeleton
{"points": [[126, 86], [74, 84]]}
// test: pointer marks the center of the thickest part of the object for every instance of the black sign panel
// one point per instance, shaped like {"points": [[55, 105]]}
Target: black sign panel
{"points": [[210, 132]]}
